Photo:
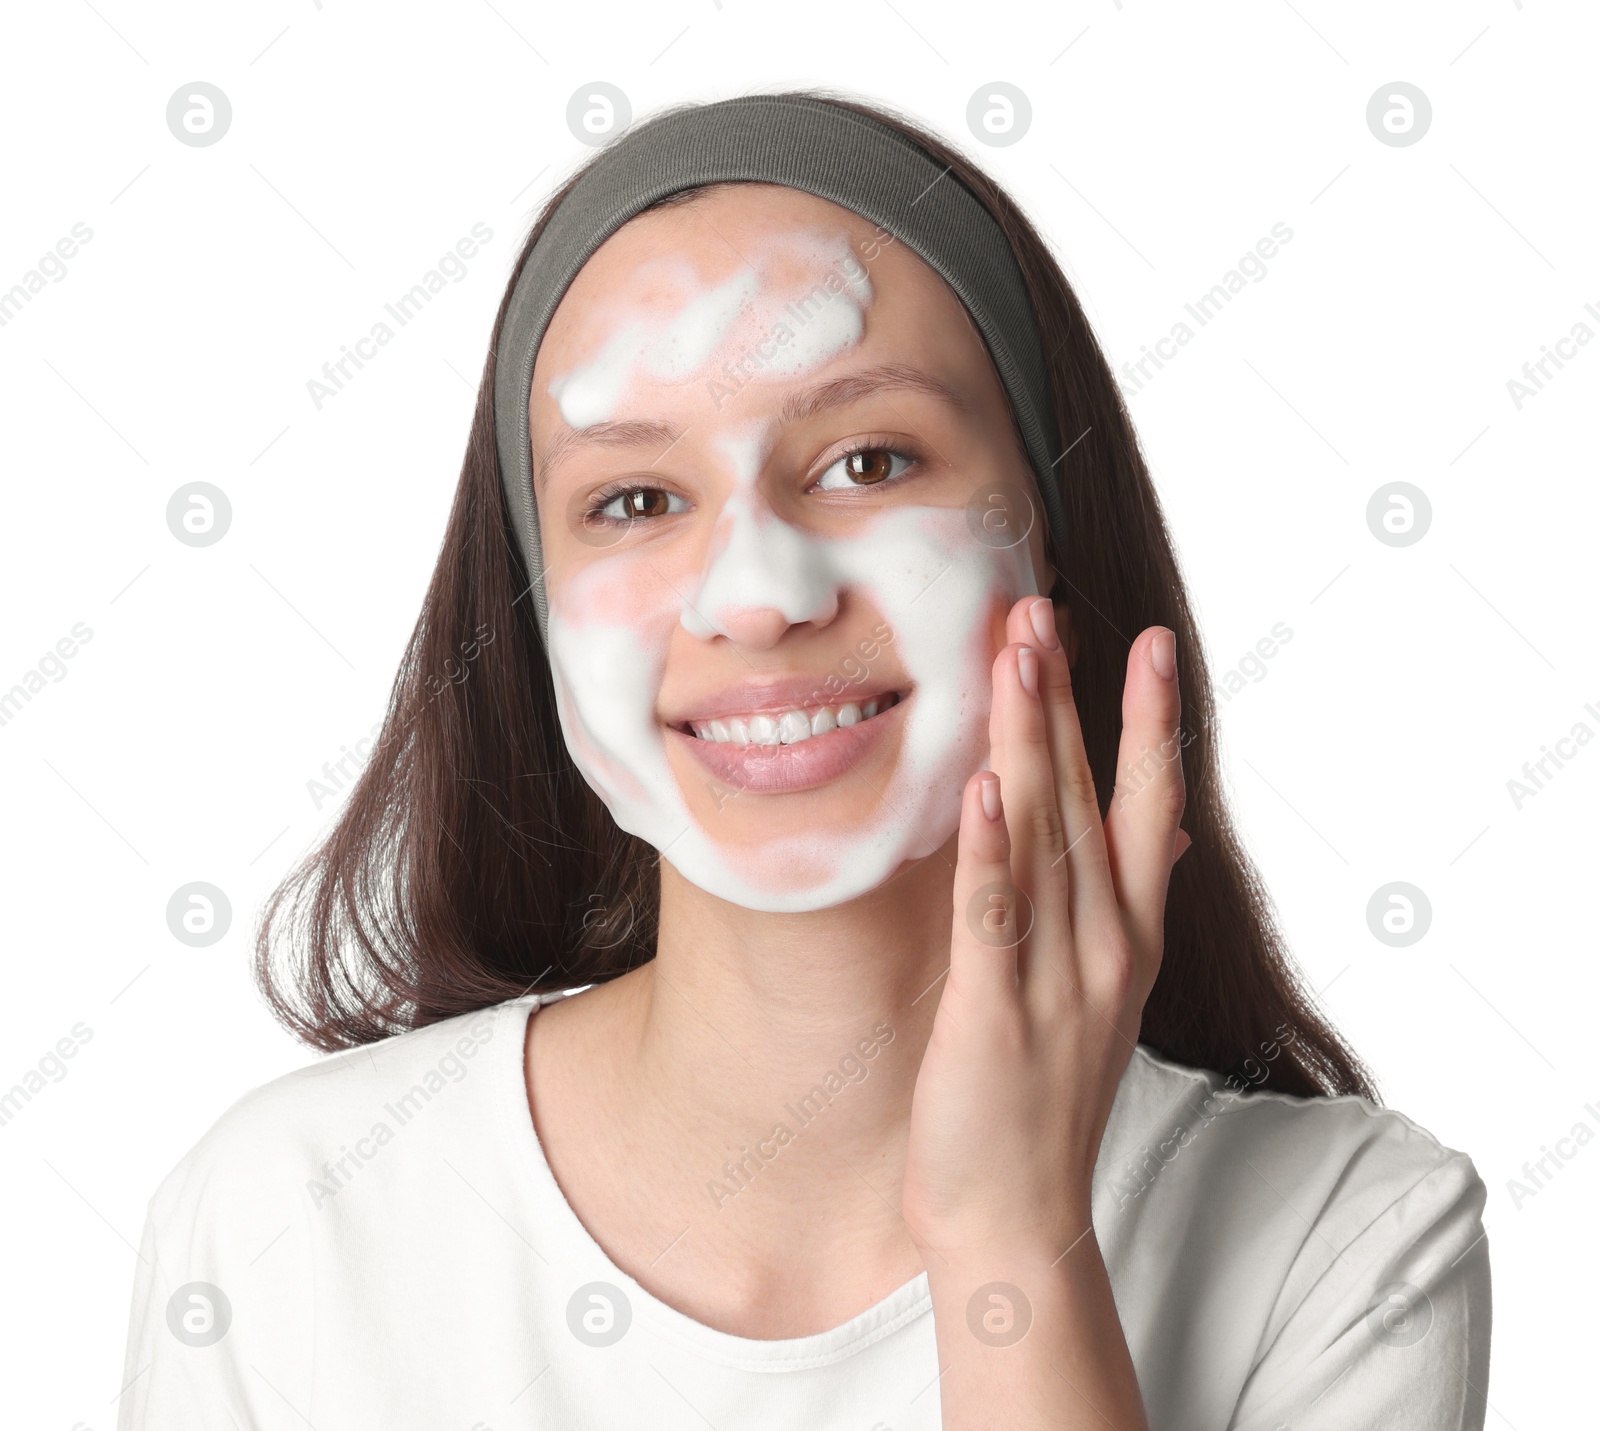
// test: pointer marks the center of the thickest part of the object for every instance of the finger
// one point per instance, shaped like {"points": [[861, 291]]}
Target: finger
{"points": [[1093, 893], [1142, 825], [1019, 752], [983, 935]]}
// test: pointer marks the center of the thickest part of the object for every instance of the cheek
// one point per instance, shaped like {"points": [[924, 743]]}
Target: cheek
{"points": [[610, 624], [945, 596], [603, 684], [621, 590], [952, 661]]}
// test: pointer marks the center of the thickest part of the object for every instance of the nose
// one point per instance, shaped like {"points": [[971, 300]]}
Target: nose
{"points": [[762, 577], [758, 627]]}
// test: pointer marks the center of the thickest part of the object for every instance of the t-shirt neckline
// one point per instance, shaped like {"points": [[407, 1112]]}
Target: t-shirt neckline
{"points": [[552, 1211]]}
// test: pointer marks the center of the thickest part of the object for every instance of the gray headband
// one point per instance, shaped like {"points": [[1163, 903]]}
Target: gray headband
{"points": [[808, 144]]}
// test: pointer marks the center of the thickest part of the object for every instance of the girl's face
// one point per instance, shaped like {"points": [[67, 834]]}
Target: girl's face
{"points": [[784, 514]]}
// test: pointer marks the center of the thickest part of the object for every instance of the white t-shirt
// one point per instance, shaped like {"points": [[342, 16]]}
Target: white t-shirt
{"points": [[378, 1242]]}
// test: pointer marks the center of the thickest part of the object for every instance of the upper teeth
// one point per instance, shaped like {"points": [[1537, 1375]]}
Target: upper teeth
{"points": [[792, 726]]}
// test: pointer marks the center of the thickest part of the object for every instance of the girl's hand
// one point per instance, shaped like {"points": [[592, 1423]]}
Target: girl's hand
{"points": [[1032, 1035]]}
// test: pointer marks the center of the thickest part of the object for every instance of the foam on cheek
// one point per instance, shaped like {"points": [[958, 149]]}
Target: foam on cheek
{"points": [[596, 715], [937, 590], [608, 633]]}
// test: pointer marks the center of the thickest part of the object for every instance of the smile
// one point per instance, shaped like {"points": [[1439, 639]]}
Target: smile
{"points": [[776, 759], [792, 726]]}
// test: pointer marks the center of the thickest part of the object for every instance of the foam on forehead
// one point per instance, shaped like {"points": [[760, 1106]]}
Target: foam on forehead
{"points": [[795, 300]]}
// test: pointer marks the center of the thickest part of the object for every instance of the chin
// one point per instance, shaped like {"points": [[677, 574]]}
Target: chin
{"points": [[796, 852]]}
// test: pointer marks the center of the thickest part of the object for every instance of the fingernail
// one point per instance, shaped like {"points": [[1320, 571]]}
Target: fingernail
{"points": [[1028, 669], [1043, 616], [989, 788], [1164, 654]]}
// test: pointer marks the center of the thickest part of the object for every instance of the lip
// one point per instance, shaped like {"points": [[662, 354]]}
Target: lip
{"points": [[774, 697], [785, 769]]}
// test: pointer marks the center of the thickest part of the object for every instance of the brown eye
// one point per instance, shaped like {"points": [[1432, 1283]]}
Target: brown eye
{"points": [[644, 502], [637, 503], [871, 464], [866, 467]]}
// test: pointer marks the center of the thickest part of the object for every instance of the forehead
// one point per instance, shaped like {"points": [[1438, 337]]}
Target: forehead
{"points": [[750, 243]]}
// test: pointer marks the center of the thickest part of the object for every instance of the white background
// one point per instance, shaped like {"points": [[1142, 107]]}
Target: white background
{"points": [[1166, 139]]}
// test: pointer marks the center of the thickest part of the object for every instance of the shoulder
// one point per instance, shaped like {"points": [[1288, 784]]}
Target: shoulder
{"points": [[1333, 1166], [1289, 1204], [263, 1219], [1331, 1228], [267, 1144], [1341, 1160]]}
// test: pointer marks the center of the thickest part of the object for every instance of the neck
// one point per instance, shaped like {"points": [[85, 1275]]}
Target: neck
{"points": [[746, 1022]]}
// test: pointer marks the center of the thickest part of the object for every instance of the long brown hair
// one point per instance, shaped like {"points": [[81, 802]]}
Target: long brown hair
{"points": [[472, 864]]}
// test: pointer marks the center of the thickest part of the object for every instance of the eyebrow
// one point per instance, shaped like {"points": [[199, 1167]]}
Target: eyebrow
{"points": [[797, 407], [851, 387], [636, 433]]}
